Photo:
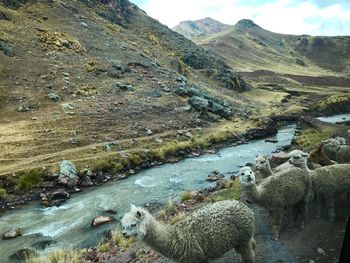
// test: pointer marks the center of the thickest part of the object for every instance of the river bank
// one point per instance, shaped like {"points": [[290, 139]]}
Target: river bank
{"points": [[69, 224]]}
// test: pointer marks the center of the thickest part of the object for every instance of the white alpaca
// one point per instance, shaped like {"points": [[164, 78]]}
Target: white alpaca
{"points": [[275, 193], [327, 181], [205, 234]]}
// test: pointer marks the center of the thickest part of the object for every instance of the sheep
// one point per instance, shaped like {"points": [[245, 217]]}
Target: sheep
{"points": [[289, 189], [327, 181], [205, 234]]}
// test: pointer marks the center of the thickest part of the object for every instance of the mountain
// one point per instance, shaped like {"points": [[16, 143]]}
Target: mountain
{"points": [[78, 75], [205, 26], [246, 46]]}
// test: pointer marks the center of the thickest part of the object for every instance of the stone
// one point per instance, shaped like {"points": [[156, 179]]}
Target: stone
{"points": [[271, 140], [83, 24], [115, 64], [128, 256], [12, 233], [100, 220], [22, 255], [189, 134], [41, 245], [214, 176], [59, 194], [54, 97], [68, 169], [23, 108], [124, 86], [68, 174], [199, 104], [149, 132]]}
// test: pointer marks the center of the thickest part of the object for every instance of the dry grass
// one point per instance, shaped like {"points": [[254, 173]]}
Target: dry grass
{"points": [[60, 256]]}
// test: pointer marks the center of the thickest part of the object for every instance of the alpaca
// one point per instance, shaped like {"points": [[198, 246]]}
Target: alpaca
{"points": [[205, 234], [289, 189], [327, 181]]}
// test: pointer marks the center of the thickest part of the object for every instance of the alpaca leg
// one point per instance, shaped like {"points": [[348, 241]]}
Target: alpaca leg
{"points": [[330, 207], [246, 250], [302, 211], [318, 205], [276, 223]]}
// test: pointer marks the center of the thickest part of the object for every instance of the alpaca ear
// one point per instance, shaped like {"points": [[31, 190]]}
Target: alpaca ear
{"points": [[139, 214], [305, 155], [133, 206]]}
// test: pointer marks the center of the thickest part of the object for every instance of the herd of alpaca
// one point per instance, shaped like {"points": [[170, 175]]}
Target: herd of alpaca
{"points": [[215, 229]]}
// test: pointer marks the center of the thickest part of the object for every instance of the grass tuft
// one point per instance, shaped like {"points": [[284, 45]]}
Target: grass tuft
{"points": [[60, 256], [121, 241], [29, 180], [3, 193]]}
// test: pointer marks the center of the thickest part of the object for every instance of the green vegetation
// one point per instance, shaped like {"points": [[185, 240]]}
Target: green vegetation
{"points": [[336, 103], [119, 240], [233, 191], [104, 247], [186, 196], [310, 138], [29, 180], [60, 256], [3, 193]]}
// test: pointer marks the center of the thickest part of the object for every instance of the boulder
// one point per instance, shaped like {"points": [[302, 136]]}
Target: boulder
{"points": [[59, 194], [100, 220], [12, 233], [68, 174], [22, 255]]}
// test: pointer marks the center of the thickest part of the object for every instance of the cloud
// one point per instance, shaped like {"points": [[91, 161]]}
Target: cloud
{"points": [[315, 17]]}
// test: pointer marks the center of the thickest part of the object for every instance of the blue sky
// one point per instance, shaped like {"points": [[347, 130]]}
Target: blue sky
{"points": [[313, 17]]}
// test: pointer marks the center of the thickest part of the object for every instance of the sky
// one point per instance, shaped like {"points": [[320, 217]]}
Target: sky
{"points": [[312, 17]]}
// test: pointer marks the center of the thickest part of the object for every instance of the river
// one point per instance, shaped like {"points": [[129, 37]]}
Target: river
{"points": [[70, 224]]}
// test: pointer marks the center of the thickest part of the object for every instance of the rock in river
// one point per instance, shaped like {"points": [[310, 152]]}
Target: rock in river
{"points": [[100, 220], [12, 233], [68, 174]]}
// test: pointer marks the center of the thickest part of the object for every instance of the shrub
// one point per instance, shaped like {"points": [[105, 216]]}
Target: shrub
{"points": [[3, 193], [103, 248], [29, 180], [186, 196]]}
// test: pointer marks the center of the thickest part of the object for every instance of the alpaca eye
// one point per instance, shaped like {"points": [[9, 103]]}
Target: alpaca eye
{"points": [[250, 172], [133, 224], [242, 173]]}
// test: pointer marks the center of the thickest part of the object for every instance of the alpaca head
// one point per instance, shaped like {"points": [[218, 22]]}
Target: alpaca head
{"points": [[133, 222], [319, 156], [246, 176], [298, 158], [262, 162]]}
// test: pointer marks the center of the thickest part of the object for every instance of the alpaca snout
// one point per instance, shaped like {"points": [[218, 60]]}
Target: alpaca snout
{"points": [[125, 234]]}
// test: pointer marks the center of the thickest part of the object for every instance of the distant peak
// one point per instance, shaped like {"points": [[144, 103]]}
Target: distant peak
{"points": [[247, 23]]}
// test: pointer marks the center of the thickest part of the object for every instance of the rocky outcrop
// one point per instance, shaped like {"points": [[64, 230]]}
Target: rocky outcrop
{"points": [[203, 102]]}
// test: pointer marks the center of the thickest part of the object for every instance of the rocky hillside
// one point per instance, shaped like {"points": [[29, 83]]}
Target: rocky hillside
{"points": [[201, 27], [75, 75], [248, 47]]}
